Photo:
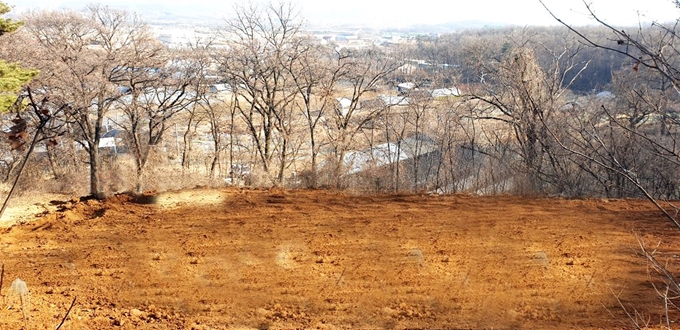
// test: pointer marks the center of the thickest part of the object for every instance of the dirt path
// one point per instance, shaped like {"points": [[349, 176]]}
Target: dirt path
{"points": [[292, 259]]}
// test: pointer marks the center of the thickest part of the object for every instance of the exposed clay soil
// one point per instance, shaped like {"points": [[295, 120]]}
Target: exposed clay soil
{"points": [[213, 259]]}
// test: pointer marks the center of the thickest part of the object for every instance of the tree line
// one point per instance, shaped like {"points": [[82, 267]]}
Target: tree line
{"points": [[533, 110]]}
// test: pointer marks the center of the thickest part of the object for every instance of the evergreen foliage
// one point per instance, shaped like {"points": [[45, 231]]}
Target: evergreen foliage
{"points": [[7, 24], [12, 76]]}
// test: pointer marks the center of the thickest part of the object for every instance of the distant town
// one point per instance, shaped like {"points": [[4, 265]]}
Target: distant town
{"points": [[182, 32]]}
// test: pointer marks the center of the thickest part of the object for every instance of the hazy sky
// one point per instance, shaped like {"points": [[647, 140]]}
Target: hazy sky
{"points": [[408, 12]]}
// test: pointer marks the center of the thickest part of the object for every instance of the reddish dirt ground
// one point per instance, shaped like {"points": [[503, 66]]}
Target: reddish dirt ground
{"points": [[213, 259]]}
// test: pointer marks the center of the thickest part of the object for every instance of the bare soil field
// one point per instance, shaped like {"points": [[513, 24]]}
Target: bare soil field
{"points": [[241, 258]]}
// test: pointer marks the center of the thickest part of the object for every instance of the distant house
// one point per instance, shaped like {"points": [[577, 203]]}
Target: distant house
{"points": [[124, 90], [176, 98], [443, 92], [220, 88], [605, 96], [379, 156], [113, 142], [403, 152], [343, 105], [405, 87], [408, 69], [394, 100]]}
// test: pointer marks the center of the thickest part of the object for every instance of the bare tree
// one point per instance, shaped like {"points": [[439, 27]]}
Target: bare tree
{"points": [[86, 54], [519, 93], [18, 133], [648, 155], [314, 77], [654, 49], [161, 84], [260, 39], [361, 73], [418, 117]]}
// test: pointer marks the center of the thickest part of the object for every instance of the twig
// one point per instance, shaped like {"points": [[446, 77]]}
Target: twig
{"points": [[462, 283], [340, 278], [592, 277], [67, 312], [44, 119], [665, 305], [671, 281], [21, 169], [633, 318], [24, 307], [2, 278]]}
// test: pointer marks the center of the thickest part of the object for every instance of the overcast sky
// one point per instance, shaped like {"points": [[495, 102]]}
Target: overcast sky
{"points": [[409, 12]]}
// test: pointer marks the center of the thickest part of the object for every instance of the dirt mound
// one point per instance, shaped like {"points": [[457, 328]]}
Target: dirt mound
{"points": [[299, 259], [28, 207]]}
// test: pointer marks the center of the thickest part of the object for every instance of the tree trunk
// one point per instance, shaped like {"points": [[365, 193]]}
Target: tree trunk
{"points": [[217, 143], [215, 160], [95, 172], [187, 143], [282, 167], [140, 173], [314, 175], [231, 147], [313, 178]]}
